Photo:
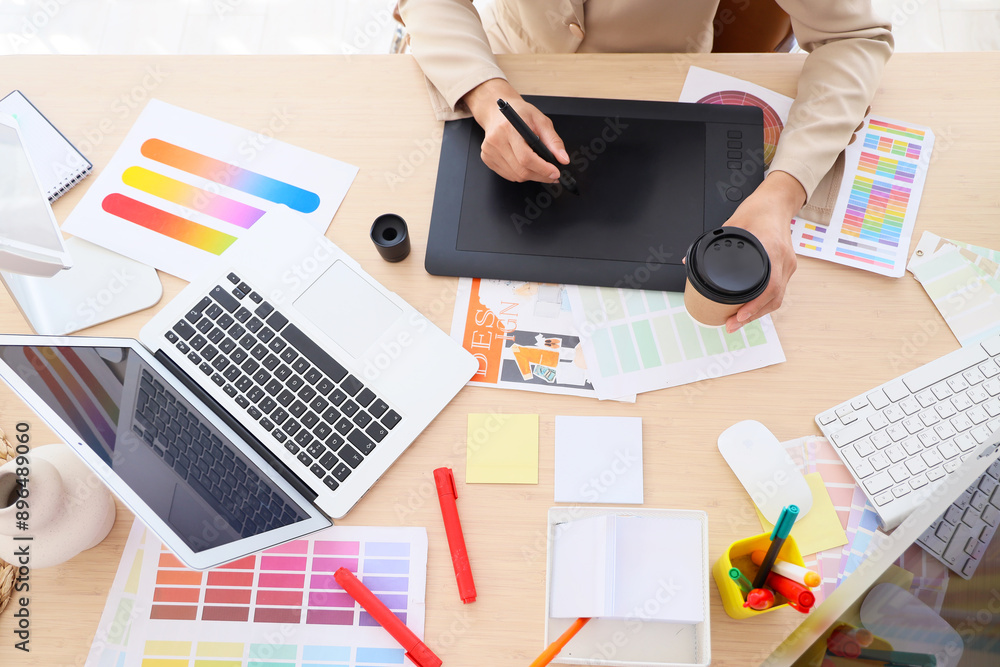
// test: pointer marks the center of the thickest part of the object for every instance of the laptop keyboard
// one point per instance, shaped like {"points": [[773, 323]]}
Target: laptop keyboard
{"points": [[201, 459], [283, 380]]}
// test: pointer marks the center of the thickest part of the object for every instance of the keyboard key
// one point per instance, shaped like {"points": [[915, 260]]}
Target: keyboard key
{"points": [[328, 460], [956, 548], [879, 461], [297, 408], [335, 442], [844, 436], [896, 453], [361, 441], [282, 372], [342, 471], [331, 483], [331, 415], [344, 426], [935, 474], [896, 390], [337, 396], [878, 399], [349, 408], [918, 481], [225, 299], [916, 465], [378, 408], [365, 397], [884, 498], [900, 490], [881, 440], [351, 456], [324, 386], [276, 321], [878, 483], [391, 418], [351, 385], [877, 421], [932, 458], [277, 345], [899, 473], [376, 431], [309, 419]]}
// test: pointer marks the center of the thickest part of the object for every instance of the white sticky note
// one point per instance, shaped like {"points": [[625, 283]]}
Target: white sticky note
{"points": [[598, 460]]}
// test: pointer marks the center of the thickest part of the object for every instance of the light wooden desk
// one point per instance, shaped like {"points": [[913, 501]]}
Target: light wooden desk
{"points": [[843, 331]]}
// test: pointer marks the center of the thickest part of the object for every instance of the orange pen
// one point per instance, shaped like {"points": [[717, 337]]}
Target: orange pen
{"points": [[553, 649]]}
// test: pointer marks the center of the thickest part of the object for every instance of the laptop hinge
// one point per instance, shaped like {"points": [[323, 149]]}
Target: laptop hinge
{"points": [[232, 423]]}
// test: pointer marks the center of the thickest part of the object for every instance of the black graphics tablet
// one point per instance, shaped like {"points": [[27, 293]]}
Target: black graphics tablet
{"points": [[652, 176]]}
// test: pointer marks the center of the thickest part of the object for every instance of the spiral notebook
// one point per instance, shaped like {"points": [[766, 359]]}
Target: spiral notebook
{"points": [[58, 163]]}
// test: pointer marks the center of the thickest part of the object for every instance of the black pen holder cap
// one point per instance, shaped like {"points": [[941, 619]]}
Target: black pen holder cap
{"points": [[390, 236]]}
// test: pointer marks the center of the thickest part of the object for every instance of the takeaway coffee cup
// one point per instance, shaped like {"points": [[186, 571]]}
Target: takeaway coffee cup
{"points": [[726, 268]]}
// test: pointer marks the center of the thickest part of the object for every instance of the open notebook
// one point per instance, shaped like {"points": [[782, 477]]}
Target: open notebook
{"points": [[627, 566]]}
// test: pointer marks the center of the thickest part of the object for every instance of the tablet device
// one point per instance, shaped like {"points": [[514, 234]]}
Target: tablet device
{"points": [[30, 241], [652, 177]]}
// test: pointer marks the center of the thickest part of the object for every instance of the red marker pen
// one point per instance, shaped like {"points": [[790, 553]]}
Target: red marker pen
{"points": [[447, 493], [799, 597], [416, 650]]}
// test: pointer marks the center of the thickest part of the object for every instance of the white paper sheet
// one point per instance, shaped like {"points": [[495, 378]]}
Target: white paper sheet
{"points": [[183, 188], [598, 460], [636, 341]]}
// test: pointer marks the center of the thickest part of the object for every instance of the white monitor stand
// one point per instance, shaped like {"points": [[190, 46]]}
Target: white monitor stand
{"points": [[100, 286]]}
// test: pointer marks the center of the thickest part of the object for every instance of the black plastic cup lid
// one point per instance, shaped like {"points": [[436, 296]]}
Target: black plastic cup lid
{"points": [[728, 265]]}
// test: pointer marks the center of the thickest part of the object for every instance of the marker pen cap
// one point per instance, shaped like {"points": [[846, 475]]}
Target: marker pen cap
{"points": [[390, 236], [726, 268]]}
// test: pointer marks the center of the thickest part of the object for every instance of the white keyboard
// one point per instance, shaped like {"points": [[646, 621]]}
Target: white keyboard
{"points": [[960, 536], [906, 436]]}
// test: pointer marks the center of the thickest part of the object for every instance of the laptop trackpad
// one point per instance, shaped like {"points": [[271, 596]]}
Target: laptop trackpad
{"points": [[347, 308]]}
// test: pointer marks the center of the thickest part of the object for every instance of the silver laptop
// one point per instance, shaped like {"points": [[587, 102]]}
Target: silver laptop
{"points": [[284, 382], [911, 610]]}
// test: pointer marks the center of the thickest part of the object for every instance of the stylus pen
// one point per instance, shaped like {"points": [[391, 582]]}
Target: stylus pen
{"points": [[778, 535], [541, 150]]}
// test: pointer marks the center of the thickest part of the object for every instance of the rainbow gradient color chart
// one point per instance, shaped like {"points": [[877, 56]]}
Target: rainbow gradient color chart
{"points": [[876, 208], [772, 122], [704, 86], [183, 188], [278, 608]]}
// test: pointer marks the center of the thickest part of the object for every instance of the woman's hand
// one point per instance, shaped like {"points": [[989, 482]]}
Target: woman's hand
{"points": [[767, 214], [504, 150]]}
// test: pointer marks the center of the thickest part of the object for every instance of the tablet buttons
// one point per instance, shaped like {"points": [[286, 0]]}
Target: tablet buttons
{"points": [[734, 165], [734, 194], [735, 155], [735, 134], [735, 144], [576, 30]]}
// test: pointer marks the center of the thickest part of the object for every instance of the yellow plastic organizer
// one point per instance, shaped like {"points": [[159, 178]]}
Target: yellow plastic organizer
{"points": [[738, 555]]}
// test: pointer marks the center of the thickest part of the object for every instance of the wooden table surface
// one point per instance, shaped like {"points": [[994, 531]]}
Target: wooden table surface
{"points": [[843, 330]]}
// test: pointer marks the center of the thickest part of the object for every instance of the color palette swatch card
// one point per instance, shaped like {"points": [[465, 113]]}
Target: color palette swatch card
{"points": [[636, 341], [182, 188], [963, 281], [876, 210], [704, 86], [281, 606]]}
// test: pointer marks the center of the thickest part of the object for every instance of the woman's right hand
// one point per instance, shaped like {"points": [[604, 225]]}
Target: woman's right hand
{"points": [[504, 150]]}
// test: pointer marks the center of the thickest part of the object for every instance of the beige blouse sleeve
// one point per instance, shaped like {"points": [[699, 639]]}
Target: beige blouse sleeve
{"points": [[451, 47], [848, 47]]}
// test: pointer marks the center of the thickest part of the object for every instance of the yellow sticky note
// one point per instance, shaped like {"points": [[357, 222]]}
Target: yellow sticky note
{"points": [[502, 449], [820, 529]]}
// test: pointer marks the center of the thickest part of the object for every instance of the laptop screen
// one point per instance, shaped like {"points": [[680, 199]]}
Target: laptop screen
{"points": [[938, 604], [178, 462]]}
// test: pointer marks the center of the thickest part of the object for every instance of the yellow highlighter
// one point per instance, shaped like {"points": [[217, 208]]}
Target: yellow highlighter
{"points": [[796, 573]]}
